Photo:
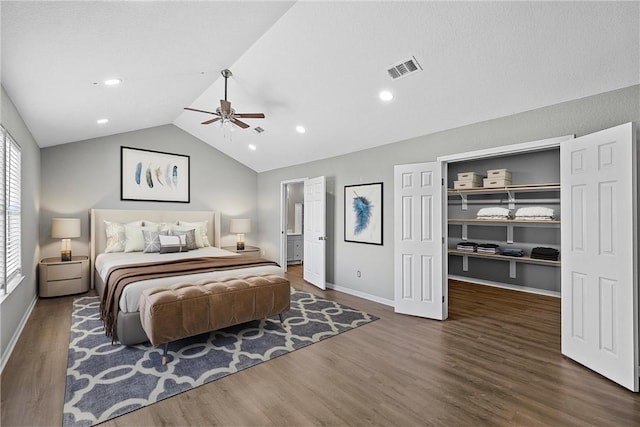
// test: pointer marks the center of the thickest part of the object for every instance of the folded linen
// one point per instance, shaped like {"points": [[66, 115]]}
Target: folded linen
{"points": [[467, 246], [550, 254], [537, 212], [488, 248], [493, 213], [517, 252]]}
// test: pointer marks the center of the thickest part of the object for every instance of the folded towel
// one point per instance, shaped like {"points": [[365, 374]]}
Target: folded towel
{"points": [[494, 213], [534, 211]]}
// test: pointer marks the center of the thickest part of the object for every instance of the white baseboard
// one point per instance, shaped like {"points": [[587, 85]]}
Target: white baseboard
{"points": [[14, 339], [362, 295], [506, 286]]}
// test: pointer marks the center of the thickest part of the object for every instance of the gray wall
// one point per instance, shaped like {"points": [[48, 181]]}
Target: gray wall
{"points": [[578, 117], [14, 307], [78, 176]]}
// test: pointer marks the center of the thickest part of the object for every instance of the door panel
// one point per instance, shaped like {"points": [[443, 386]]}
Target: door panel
{"points": [[599, 253], [315, 231], [418, 247]]}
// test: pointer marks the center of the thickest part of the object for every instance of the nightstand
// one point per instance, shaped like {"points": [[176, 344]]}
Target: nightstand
{"points": [[248, 250], [64, 278]]}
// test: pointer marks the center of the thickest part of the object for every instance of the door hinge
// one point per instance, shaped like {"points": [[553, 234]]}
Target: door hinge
{"points": [[442, 179], [443, 299]]}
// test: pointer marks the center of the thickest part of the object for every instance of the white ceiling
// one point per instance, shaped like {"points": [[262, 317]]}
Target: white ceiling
{"points": [[317, 64]]}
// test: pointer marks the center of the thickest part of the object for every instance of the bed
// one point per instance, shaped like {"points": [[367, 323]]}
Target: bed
{"points": [[128, 327]]}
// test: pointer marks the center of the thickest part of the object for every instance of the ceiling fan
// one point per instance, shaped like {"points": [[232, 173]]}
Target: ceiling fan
{"points": [[225, 113]]}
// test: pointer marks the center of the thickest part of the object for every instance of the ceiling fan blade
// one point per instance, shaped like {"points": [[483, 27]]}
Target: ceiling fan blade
{"points": [[200, 111], [250, 115], [237, 122], [225, 106], [208, 122]]}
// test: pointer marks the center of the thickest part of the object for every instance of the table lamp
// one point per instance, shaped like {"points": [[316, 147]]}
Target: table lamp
{"points": [[65, 229], [240, 226]]}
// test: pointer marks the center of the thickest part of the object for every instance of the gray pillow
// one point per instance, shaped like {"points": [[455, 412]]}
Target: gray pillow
{"points": [[152, 241], [190, 236]]}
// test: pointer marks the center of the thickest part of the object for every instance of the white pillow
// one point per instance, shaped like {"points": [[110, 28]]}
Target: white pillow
{"points": [[116, 235], [134, 237], [201, 231], [162, 226]]}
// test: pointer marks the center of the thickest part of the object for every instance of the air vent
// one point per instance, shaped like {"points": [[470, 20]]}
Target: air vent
{"points": [[258, 130], [404, 68]]}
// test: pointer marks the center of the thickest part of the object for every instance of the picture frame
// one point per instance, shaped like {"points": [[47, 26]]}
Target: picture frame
{"points": [[363, 213], [154, 176]]}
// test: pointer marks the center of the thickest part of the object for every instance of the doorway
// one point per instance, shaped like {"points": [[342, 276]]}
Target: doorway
{"points": [[292, 223]]}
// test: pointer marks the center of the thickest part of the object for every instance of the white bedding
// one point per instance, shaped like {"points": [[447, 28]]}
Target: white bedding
{"points": [[129, 301]]}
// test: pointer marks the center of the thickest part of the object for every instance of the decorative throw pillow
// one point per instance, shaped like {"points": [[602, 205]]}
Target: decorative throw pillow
{"points": [[135, 238], [162, 226], [170, 244], [152, 240], [201, 231], [189, 235], [116, 235]]}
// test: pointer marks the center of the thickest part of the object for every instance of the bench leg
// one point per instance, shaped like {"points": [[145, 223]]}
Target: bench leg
{"points": [[280, 316], [164, 353]]}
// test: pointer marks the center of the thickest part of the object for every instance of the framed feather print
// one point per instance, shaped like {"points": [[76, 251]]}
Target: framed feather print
{"points": [[363, 213], [154, 176]]}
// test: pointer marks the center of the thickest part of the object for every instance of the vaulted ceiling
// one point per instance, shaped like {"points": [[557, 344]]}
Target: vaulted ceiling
{"points": [[320, 65]]}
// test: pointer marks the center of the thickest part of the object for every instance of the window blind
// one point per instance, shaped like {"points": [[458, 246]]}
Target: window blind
{"points": [[11, 227]]}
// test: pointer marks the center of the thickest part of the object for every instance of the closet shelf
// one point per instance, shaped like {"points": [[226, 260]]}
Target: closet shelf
{"points": [[528, 188], [553, 223], [511, 191], [524, 259]]}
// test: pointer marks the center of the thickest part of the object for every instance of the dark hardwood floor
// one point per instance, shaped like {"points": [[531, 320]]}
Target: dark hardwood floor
{"points": [[495, 361]]}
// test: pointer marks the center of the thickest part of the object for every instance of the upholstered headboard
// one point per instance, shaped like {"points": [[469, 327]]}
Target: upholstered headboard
{"points": [[98, 241]]}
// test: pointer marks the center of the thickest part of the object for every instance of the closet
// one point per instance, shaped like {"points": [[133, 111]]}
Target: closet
{"points": [[534, 184], [590, 183]]}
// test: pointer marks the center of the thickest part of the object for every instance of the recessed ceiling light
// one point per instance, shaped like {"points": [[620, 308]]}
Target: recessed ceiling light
{"points": [[112, 82], [300, 129], [385, 95], [252, 147], [102, 121]]}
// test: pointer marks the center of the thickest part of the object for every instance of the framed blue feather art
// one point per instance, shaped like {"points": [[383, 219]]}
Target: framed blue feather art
{"points": [[363, 213], [154, 176]]}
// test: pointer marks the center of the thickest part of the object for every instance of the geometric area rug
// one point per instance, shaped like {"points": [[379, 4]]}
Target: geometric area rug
{"points": [[107, 380]]}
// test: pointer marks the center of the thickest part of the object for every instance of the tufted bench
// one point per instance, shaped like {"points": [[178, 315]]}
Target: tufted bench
{"points": [[188, 309]]}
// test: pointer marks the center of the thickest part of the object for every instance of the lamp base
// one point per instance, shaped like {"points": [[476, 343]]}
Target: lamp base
{"points": [[65, 256], [240, 246]]}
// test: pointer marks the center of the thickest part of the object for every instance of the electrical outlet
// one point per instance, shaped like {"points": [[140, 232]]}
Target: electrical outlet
{"points": [[358, 274]]}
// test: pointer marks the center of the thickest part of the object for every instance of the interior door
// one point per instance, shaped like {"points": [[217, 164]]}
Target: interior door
{"points": [[419, 281], [315, 213], [599, 253]]}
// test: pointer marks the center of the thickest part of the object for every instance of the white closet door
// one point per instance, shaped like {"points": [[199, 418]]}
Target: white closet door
{"points": [[418, 246], [599, 253]]}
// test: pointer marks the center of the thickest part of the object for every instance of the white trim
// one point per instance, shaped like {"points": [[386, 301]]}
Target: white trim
{"points": [[505, 286], [504, 150], [14, 339], [13, 284], [362, 295]]}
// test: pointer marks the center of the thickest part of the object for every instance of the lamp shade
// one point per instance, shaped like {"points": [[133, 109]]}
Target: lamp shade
{"points": [[240, 226], [65, 228]]}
